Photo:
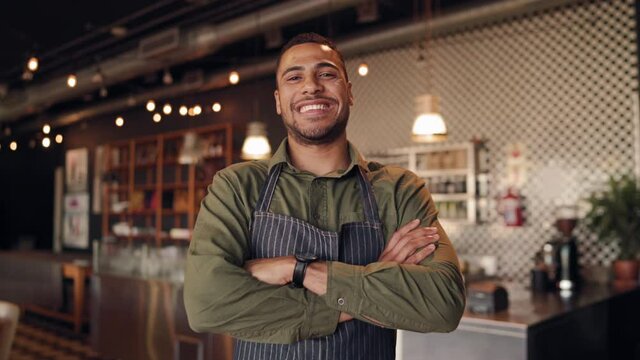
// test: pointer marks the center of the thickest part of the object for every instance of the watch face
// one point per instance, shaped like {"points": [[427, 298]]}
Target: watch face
{"points": [[306, 257]]}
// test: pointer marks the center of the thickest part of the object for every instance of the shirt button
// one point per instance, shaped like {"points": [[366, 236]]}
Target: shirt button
{"points": [[340, 301]]}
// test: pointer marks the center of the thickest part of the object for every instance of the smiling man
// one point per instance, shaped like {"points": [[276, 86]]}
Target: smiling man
{"points": [[317, 253]]}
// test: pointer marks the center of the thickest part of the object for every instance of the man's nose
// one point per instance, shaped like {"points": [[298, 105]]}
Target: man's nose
{"points": [[311, 85]]}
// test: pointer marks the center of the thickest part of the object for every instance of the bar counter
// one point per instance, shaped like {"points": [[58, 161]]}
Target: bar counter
{"points": [[595, 322], [144, 318]]}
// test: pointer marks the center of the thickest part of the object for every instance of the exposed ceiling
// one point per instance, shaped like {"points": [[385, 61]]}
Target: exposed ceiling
{"points": [[69, 35]]}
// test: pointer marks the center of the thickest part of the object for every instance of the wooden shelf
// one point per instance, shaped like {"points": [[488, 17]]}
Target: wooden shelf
{"points": [[442, 172], [450, 197], [144, 187], [174, 186], [174, 212], [167, 175]]}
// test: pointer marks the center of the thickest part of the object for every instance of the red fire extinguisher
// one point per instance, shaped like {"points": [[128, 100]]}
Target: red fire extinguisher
{"points": [[511, 209]]}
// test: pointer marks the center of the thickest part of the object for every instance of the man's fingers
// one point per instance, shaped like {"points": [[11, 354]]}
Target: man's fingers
{"points": [[398, 234], [421, 254], [410, 242]]}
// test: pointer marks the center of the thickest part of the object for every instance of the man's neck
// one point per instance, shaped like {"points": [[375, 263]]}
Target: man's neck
{"points": [[319, 159]]}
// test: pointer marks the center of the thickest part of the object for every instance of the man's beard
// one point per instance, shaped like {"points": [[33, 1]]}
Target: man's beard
{"points": [[319, 135]]}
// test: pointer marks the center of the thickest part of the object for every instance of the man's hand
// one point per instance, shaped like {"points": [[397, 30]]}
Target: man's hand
{"points": [[274, 271], [410, 244]]}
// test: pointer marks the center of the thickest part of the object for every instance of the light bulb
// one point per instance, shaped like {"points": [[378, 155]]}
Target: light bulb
{"points": [[46, 142], [183, 110], [32, 64], [46, 129], [119, 121], [234, 77], [197, 110], [72, 80], [151, 105], [157, 117], [59, 139], [13, 146], [363, 69], [216, 107], [166, 109]]}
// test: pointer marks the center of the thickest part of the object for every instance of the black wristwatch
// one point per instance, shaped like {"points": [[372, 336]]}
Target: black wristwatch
{"points": [[302, 261]]}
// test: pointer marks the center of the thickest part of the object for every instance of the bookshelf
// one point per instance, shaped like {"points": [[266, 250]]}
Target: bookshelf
{"points": [[153, 185]]}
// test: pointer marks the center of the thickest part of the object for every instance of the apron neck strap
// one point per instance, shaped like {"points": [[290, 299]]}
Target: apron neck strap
{"points": [[369, 201], [268, 188]]}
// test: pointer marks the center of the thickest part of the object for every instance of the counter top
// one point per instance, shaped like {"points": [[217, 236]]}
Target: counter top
{"points": [[527, 309]]}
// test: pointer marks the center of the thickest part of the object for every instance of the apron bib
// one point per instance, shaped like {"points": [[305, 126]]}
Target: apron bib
{"points": [[358, 243]]}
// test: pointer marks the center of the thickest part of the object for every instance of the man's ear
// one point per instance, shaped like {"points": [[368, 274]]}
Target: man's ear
{"points": [[350, 94], [276, 95]]}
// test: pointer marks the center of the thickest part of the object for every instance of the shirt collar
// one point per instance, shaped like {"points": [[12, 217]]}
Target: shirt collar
{"points": [[282, 156]]}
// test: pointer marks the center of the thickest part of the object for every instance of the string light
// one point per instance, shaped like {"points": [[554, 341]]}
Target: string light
{"points": [[216, 107], [72, 80], [183, 110], [197, 110], [46, 142], [151, 105], [59, 139], [166, 109], [234, 77], [119, 121], [32, 64], [157, 117], [13, 146], [46, 129]]}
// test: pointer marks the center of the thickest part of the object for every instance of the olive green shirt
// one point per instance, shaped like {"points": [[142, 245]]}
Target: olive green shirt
{"points": [[220, 296]]}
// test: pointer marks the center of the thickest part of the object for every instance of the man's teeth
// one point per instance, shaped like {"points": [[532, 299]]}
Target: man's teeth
{"points": [[313, 107]]}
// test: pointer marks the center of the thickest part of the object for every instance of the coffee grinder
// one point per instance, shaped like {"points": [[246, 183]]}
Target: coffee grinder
{"points": [[561, 253]]}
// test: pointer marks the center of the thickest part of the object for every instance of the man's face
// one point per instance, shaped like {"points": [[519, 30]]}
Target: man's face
{"points": [[313, 95]]}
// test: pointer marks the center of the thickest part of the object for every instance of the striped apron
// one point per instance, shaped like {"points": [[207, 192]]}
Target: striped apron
{"points": [[358, 243]]}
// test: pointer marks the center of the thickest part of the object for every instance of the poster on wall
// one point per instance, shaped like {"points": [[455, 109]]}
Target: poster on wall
{"points": [[77, 168], [76, 221]]}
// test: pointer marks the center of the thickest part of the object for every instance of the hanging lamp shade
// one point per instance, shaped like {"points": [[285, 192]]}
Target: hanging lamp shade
{"points": [[429, 125], [256, 145]]}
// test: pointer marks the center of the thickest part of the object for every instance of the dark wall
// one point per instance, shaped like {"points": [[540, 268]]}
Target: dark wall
{"points": [[26, 176]]}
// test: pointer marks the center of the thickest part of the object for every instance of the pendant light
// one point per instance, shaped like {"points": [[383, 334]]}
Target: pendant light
{"points": [[256, 145], [429, 125]]}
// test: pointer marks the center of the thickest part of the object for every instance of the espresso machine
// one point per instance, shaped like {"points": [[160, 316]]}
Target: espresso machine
{"points": [[560, 255]]}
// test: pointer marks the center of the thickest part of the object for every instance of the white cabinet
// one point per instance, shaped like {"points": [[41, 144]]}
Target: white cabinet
{"points": [[454, 174]]}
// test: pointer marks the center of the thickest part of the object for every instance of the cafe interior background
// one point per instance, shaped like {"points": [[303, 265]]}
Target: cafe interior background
{"points": [[539, 97]]}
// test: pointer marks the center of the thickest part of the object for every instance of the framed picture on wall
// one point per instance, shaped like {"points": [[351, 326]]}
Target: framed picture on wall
{"points": [[76, 221], [76, 169]]}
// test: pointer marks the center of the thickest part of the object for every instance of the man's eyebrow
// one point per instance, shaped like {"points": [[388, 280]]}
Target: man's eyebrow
{"points": [[317, 66], [293, 68]]}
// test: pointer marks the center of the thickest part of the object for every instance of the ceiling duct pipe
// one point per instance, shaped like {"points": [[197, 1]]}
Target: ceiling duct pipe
{"points": [[193, 44], [390, 37]]}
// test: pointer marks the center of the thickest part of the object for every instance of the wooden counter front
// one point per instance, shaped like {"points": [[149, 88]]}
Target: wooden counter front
{"points": [[135, 318]]}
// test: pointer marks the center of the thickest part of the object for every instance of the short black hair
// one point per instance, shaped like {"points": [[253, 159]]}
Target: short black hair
{"points": [[311, 37]]}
